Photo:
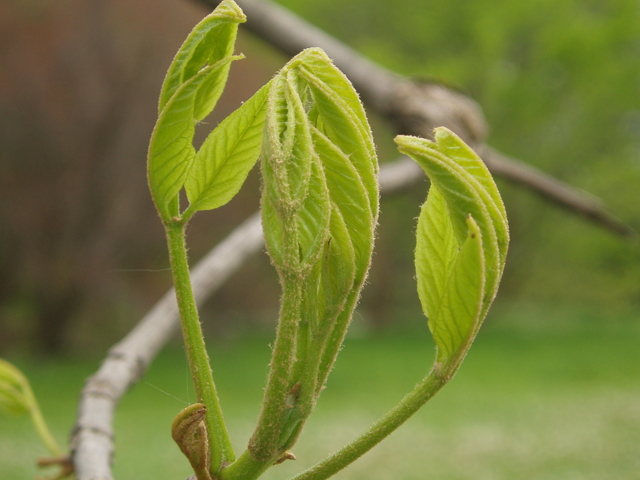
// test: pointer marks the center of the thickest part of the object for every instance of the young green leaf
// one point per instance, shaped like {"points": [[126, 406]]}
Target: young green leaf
{"points": [[341, 118], [463, 212], [191, 89], [227, 155], [171, 150], [312, 219], [314, 113], [338, 268], [350, 197], [436, 252], [456, 315], [209, 42]]}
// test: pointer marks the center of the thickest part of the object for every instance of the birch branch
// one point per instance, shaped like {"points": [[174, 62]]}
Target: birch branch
{"points": [[416, 108], [92, 436]]}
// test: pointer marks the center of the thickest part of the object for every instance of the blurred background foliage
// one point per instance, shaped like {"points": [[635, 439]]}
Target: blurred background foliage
{"points": [[82, 253], [551, 388]]}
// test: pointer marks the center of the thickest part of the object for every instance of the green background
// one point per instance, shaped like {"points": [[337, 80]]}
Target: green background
{"points": [[551, 387]]}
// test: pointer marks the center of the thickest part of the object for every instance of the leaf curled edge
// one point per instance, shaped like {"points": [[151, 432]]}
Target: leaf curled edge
{"points": [[14, 398], [193, 84], [211, 40], [457, 282], [455, 319], [171, 151]]}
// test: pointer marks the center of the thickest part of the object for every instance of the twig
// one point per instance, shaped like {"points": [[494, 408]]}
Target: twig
{"points": [[579, 202], [417, 108]]}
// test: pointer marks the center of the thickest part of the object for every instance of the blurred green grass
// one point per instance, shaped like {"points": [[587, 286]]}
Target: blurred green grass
{"points": [[554, 395]]}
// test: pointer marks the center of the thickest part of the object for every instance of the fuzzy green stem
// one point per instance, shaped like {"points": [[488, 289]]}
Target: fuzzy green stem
{"points": [[264, 442], [221, 450], [187, 214], [263, 447], [308, 391], [379, 430], [245, 468]]}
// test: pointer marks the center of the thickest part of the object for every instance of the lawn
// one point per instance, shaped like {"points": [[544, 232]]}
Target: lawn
{"points": [[551, 396]]}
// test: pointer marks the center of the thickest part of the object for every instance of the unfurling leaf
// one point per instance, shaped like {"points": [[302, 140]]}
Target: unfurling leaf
{"points": [[319, 211], [320, 197], [315, 119], [209, 42], [223, 162], [462, 241], [191, 89]]}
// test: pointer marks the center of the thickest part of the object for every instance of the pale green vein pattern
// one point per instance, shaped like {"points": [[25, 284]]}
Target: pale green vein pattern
{"points": [[190, 91], [209, 42], [463, 213], [227, 155], [343, 123], [347, 190], [457, 312], [436, 251]]}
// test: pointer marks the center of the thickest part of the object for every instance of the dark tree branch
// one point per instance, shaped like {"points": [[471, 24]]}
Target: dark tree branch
{"points": [[579, 202], [416, 108]]}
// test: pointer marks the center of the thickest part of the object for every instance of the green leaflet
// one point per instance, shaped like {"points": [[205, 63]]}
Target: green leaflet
{"points": [[227, 155], [456, 286], [209, 42], [298, 145], [341, 118], [190, 91], [436, 251], [350, 196], [331, 280], [295, 187], [452, 146], [16, 397], [338, 266], [450, 279], [312, 219]]}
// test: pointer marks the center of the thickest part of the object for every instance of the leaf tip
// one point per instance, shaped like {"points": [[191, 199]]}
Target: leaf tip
{"points": [[474, 230], [316, 52], [230, 10]]}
